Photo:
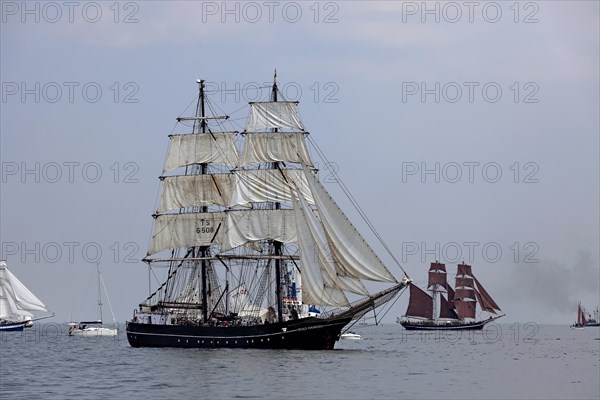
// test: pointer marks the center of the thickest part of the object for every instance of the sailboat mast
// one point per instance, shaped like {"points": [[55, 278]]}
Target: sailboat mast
{"points": [[435, 292], [99, 292], [276, 244], [203, 171]]}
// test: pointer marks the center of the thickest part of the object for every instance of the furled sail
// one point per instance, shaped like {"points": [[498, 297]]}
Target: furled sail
{"points": [[262, 185], [267, 147], [348, 247], [200, 148], [15, 299], [173, 231], [195, 190], [420, 304], [271, 114]]}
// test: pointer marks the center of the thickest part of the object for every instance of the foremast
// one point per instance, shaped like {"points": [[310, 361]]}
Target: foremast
{"points": [[190, 204]]}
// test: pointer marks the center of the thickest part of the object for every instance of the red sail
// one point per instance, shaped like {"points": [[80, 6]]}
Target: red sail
{"points": [[466, 282], [420, 304], [464, 294], [464, 269], [578, 313], [465, 309], [445, 310], [437, 267], [583, 319], [484, 307], [437, 275], [436, 278], [486, 301], [451, 295]]}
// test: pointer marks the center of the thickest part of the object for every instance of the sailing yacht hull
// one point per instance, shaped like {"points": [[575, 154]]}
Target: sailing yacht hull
{"points": [[93, 332], [307, 334]]}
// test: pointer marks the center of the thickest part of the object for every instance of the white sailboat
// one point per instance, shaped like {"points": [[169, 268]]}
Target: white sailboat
{"points": [[95, 327], [17, 303]]}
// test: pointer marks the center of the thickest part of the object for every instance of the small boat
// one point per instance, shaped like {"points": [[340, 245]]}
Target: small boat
{"points": [[350, 336], [16, 303], [434, 313], [95, 328]]}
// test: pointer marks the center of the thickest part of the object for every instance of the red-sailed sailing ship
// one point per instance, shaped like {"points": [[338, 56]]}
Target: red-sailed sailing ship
{"points": [[583, 321], [435, 312]]}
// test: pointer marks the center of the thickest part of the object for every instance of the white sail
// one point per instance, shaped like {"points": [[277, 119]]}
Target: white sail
{"points": [[200, 148], [333, 275], [248, 226], [268, 185], [348, 247], [314, 290], [270, 114], [173, 231], [195, 190], [15, 299], [267, 147]]}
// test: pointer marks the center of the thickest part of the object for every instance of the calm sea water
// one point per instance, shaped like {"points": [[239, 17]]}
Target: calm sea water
{"points": [[505, 361]]}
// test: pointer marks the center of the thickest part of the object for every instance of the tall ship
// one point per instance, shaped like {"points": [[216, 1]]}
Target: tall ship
{"points": [[254, 250], [17, 303], [584, 320], [457, 311]]}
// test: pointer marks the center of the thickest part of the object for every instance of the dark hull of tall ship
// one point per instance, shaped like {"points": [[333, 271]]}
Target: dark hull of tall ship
{"points": [[437, 326], [306, 334]]}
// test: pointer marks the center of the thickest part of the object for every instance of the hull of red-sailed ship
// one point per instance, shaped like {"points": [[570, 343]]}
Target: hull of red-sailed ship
{"points": [[454, 326]]}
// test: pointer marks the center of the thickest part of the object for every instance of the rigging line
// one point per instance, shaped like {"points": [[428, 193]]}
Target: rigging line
{"points": [[194, 100], [108, 299], [356, 205]]}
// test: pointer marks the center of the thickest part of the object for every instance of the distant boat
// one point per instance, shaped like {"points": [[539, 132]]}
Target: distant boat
{"points": [[95, 327], [350, 336], [17, 303], [583, 321], [456, 313]]}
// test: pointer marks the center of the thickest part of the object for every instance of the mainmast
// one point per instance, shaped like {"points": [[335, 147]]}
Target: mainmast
{"points": [[204, 250], [277, 244], [437, 280], [99, 292]]}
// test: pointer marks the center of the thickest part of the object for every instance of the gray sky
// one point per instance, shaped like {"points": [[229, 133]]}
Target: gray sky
{"points": [[465, 131]]}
